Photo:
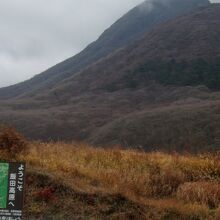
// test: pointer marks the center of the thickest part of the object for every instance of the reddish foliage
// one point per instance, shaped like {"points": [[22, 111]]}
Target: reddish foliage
{"points": [[46, 194], [12, 141], [91, 200]]}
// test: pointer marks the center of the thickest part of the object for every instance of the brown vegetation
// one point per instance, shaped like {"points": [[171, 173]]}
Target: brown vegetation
{"points": [[11, 142], [122, 99], [79, 180], [203, 192]]}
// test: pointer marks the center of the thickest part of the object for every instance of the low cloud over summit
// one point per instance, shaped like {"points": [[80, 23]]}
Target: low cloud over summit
{"points": [[37, 34]]}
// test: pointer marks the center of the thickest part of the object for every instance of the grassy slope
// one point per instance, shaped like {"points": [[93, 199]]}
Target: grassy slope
{"points": [[76, 181], [156, 118]]}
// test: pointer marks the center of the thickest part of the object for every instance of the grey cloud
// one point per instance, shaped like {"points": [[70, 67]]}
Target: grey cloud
{"points": [[36, 34]]}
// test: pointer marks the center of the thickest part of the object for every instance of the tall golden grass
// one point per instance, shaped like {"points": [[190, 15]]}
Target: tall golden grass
{"points": [[191, 181], [189, 184]]}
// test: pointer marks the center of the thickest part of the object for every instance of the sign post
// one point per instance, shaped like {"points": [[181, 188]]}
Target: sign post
{"points": [[12, 177]]}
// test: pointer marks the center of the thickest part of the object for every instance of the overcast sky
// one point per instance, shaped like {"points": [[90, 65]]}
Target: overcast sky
{"points": [[36, 34]]}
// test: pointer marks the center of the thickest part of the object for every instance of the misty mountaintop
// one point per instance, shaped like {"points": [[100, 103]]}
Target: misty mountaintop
{"points": [[126, 30]]}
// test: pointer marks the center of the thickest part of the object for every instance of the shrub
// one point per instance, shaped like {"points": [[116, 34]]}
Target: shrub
{"points": [[12, 142], [164, 183], [195, 211], [46, 194], [202, 192], [217, 214]]}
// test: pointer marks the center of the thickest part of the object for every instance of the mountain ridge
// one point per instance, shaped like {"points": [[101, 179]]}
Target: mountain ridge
{"points": [[182, 45], [138, 95], [126, 29]]}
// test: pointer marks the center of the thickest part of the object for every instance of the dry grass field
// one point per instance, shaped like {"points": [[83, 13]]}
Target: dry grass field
{"points": [[77, 181]]}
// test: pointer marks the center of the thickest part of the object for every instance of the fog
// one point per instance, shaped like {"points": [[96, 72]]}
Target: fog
{"points": [[36, 34]]}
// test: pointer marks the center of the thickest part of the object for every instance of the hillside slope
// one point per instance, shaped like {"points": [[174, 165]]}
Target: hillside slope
{"points": [[161, 92], [76, 181], [182, 52], [128, 28]]}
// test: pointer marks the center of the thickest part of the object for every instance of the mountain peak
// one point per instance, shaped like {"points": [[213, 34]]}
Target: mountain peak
{"points": [[127, 29], [160, 91]]}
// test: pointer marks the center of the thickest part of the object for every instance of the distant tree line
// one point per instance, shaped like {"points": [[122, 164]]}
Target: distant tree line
{"points": [[180, 73]]}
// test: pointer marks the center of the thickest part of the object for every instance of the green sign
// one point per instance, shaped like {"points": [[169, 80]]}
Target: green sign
{"points": [[12, 178], [4, 168]]}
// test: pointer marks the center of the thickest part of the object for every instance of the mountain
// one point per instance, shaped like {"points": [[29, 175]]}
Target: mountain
{"points": [[128, 28], [182, 52], [160, 92]]}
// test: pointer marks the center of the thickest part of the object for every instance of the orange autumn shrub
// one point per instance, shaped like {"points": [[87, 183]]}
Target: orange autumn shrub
{"points": [[202, 192], [12, 142]]}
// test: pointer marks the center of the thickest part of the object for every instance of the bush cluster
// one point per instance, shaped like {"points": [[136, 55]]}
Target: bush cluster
{"points": [[202, 192], [12, 142]]}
